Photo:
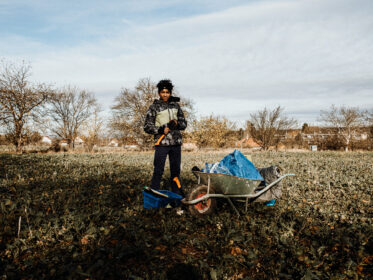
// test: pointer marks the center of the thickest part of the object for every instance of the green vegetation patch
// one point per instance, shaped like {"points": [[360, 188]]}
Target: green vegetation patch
{"points": [[81, 217]]}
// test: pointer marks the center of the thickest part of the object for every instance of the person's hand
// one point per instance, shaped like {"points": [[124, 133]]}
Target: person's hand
{"points": [[166, 130], [172, 124]]}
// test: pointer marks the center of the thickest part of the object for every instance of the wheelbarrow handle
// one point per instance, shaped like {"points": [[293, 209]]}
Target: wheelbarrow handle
{"points": [[271, 185]]}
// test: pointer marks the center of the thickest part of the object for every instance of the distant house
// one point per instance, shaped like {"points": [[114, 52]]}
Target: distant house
{"points": [[292, 133], [64, 143], [113, 143], [131, 147], [46, 140], [189, 147], [319, 133], [287, 134], [247, 143], [78, 141], [362, 136]]}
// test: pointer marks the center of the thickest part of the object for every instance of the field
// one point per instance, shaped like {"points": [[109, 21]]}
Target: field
{"points": [[80, 216]]}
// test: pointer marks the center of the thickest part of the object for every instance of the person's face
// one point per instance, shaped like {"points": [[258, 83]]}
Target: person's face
{"points": [[165, 94]]}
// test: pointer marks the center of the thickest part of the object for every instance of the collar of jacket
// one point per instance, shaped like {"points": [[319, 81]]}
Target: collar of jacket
{"points": [[171, 99]]}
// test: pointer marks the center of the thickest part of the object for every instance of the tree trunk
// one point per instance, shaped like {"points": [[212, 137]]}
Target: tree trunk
{"points": [[347, 143], [18, 139], [19, 146]]}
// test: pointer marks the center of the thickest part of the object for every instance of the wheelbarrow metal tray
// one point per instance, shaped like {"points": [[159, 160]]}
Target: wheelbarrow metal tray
{"points": [[228, 184]]}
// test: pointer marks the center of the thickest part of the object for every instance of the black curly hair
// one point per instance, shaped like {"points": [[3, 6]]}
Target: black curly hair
{"points": [[165, 84]]}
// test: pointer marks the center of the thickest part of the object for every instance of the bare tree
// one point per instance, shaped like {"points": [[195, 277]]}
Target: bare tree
{"points": [[92, 129], [368, 119], [129, 111], [368, 116], [267, 125], [345, 119], [20, 101], [69, 109], [212, 131]]}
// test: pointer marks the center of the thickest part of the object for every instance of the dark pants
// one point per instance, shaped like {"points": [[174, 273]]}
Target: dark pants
{"points": [[174, 156]]}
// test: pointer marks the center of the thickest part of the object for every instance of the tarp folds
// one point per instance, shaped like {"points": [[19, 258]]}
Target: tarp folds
{"points": [[235, 164]]}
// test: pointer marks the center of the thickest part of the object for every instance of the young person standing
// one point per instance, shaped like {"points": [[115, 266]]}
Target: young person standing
{"points": [[165, 120]]}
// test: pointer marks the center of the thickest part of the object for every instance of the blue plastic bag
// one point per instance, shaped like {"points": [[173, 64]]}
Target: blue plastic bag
{"points": [[235, 164]]}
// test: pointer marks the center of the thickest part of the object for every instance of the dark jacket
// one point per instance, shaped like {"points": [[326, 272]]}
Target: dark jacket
{"points": [[159, 114]]}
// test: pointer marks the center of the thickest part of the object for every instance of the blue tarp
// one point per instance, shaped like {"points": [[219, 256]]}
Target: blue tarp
{"points": [[235, 164]]}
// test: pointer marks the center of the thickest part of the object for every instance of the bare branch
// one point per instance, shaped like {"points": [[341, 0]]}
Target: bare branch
{"points": [[20, 102], [69, 108], [267, 125], [345, 119]]}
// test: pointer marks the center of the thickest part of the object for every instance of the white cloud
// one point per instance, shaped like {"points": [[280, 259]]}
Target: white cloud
{"points": [[302, 55]]}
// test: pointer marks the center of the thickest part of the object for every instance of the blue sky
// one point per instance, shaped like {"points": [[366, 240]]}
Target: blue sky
{"points": [[231, 57]]}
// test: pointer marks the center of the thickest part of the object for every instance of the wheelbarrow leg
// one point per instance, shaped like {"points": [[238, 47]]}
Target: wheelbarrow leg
{"points": [[235, 209]]}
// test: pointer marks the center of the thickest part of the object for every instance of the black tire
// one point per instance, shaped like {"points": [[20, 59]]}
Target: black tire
{"points": [[204, 208]]}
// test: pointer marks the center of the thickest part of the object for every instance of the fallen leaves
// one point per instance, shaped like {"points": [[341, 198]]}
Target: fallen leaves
{"points": [[163, 248], [236, 251], [84, 241]]}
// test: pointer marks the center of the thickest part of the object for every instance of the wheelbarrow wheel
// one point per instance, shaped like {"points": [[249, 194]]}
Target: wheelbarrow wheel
{"points": [[203, 208]]}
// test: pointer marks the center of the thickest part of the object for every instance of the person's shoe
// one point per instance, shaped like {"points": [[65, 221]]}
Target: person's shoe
{"points": [[178, 191]]}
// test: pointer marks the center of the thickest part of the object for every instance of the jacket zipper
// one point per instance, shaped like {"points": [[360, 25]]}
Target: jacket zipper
{"points": [[169, 115]]}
